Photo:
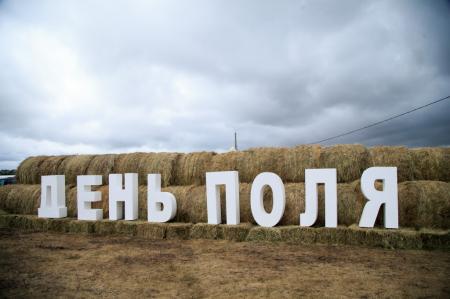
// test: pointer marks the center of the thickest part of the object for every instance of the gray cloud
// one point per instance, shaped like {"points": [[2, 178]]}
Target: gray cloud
{"points": [[91, 77]]}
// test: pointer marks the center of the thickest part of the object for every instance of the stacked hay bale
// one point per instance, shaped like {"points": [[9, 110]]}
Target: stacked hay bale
{"points": [[421, 203], [423, 176]]}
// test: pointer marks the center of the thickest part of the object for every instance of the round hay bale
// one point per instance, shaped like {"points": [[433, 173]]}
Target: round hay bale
{"points": [[394, 156], [74, 166], [350, 204], [71, 202], [162, 163], [28, 170], [431, 163], [288, 163], [23, 199], [349, 160], [424, 204], [4, 191], [147, 163], [190, 169], [102, 165], [238, 161], [50, 166], [295, 204], [191, 203], [298, 159]]}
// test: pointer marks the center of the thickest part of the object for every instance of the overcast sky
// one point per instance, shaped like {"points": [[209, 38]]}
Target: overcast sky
{"points": [[93, 77]]}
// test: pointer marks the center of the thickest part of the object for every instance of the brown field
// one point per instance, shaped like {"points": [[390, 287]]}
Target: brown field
{"points": [[69, 265]]}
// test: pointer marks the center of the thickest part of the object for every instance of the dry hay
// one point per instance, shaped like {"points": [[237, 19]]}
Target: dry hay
{"points": [[234, 232], [153, 231], [102, 165], [349, 160], [394, 156], [421, 203], [178, 231], [28, 171], [23, 199], [74, 166], [431, 163], [190, 169], [288, 163], [204, 231], [128, 228], [147, 163], [50, 166], [424, 204]]}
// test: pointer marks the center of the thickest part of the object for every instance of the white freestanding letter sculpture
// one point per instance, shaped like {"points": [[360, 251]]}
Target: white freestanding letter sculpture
{"points": [[312, 178], [85, 197], [120, 197], [388, 197], [53, 197], [257, 199], [231, 181], [161, 206]]}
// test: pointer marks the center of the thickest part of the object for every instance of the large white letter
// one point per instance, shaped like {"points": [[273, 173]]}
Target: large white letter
{"points": [[85, 197], [257, 199], [231, 181], [53, 197], [128, 196], [161, 206], [313, 177], [388, 197]]}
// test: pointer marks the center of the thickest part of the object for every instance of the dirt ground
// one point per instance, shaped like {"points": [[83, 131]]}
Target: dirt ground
{"points": [[66, 265]]}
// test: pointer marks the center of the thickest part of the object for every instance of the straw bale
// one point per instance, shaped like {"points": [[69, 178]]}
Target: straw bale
{"points": [[84, 227], [204, 231], [259, 233], [349, 160], [237, 233], [424, 204], [105, 227], [350, 203], [178, 231], [431, 163], [125, 227], [288, 163], [74, 166], [28, 170], [147, 163], [22, 199], [394, 156], [60, 225], [190, 169], [50, 165], [153, 231], [102, 165], [6, 220], [238, 161], [4, 191], [436, 240]]}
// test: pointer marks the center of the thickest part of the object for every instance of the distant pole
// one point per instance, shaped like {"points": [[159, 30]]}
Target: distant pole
{"points": [[235, 140]]}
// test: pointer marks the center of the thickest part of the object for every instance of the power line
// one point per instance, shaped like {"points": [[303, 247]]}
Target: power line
{"points": [[381, 121]]}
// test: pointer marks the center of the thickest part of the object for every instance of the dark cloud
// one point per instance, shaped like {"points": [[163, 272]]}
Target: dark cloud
{"points": [[91, 77]]}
